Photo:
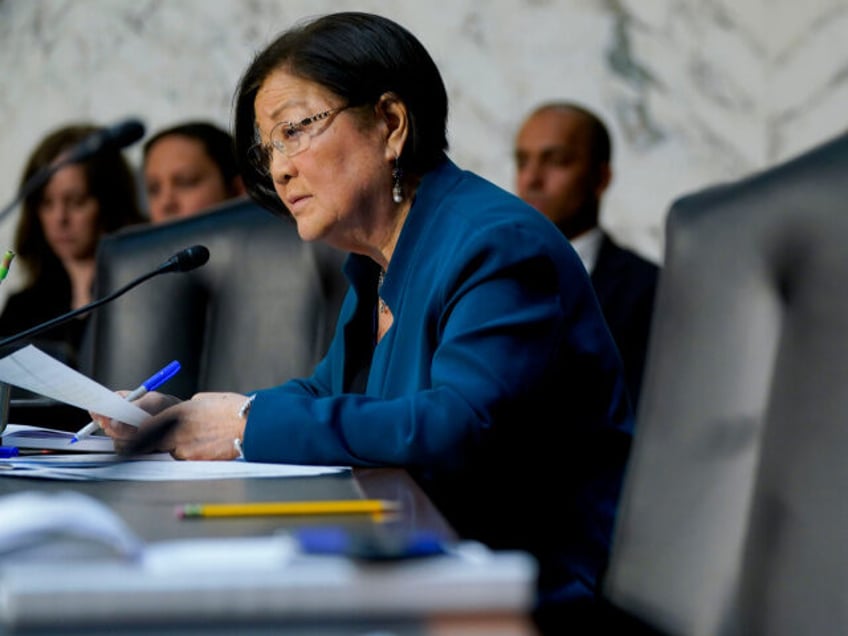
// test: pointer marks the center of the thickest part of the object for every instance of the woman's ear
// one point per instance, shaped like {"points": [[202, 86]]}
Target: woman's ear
{"points": [[396, 117]]}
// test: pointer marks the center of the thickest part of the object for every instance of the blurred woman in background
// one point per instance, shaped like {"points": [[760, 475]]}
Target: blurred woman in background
{"points": [[58, 231], [189, 168]]}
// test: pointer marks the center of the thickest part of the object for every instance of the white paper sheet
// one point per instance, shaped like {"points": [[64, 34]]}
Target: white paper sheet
{"points": [[157, 467], [32, 369]]}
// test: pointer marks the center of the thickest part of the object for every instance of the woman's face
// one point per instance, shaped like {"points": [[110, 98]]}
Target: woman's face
{"points": [[339, 189], [68, 214], [181, 179]]}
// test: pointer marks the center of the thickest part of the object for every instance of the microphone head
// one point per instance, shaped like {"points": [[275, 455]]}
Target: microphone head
{"points": [[125, 133], [115, 137], [186, 260]]}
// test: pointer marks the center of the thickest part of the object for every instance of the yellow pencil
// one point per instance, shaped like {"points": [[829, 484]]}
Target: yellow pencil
{"points": [[271, 508]]}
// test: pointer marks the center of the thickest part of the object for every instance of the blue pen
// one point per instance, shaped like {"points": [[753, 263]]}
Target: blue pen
{"points": [[7, 452], [150, 384]]}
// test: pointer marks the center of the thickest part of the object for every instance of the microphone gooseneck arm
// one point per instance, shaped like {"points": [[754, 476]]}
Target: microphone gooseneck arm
{"points": [[58, 320], [115, 137], [183, 261], [36, 181]]}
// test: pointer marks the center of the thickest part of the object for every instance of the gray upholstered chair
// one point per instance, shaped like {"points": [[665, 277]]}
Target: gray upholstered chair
{"points": [[261, 311], [734, 519]]}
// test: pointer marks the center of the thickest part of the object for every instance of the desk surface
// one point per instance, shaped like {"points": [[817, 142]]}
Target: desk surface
{"points": [[149, 508]]}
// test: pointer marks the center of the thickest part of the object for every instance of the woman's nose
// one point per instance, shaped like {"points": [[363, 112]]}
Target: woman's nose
{"points": [[282, 168]]}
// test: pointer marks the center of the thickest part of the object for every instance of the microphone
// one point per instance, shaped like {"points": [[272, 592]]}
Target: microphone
{"points": [[183, 261], [115, 137], [123, 134]]}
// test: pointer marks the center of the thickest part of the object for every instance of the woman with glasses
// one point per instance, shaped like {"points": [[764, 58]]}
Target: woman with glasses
{"points": [[470, 348]]}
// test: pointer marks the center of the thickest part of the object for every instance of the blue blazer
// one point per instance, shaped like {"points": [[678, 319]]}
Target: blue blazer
{"points": [[498, 386]]}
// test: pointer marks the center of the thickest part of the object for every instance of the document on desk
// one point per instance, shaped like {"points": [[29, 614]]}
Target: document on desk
{"points": [[32, 369], [26, 436], [156, 467]]}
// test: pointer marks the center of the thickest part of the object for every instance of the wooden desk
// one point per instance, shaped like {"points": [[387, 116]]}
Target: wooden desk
{"points": [[148, 508]]}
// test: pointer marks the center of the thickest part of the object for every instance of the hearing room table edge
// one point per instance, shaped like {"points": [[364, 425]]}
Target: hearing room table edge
{"points": [[148, 507]]}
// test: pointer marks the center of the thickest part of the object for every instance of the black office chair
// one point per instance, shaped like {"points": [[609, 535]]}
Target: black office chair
{"points": [[261, 311], [734, 519]]}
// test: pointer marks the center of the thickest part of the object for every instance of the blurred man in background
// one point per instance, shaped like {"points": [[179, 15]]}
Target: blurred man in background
{"points": [[563, 167]]}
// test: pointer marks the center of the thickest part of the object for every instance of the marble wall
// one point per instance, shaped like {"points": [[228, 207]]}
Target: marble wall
{"points": [[694, 91]]}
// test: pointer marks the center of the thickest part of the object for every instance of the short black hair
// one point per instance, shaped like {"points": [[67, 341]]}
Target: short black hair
{"points": [[599, 137], [359, 57], [217, 143]]}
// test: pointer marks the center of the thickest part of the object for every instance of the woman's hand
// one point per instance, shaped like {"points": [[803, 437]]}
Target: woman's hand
{"points": [[204, 427], [121, 433]]}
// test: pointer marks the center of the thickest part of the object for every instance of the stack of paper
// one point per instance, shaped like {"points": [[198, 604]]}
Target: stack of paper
{"points": [[155, 467], [25, 436], [31, 369]]}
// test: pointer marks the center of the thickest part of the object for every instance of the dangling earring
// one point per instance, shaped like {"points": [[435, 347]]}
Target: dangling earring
{"points": [[397, 189]]}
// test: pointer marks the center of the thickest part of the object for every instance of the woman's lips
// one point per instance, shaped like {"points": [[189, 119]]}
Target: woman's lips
{"points": [[297, 202]]}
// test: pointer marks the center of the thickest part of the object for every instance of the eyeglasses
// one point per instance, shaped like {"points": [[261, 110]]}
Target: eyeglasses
{"points": [[289, 138]]}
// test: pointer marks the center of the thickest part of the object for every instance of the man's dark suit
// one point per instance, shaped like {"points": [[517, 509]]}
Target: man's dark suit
{"points": [[625, 284]]}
